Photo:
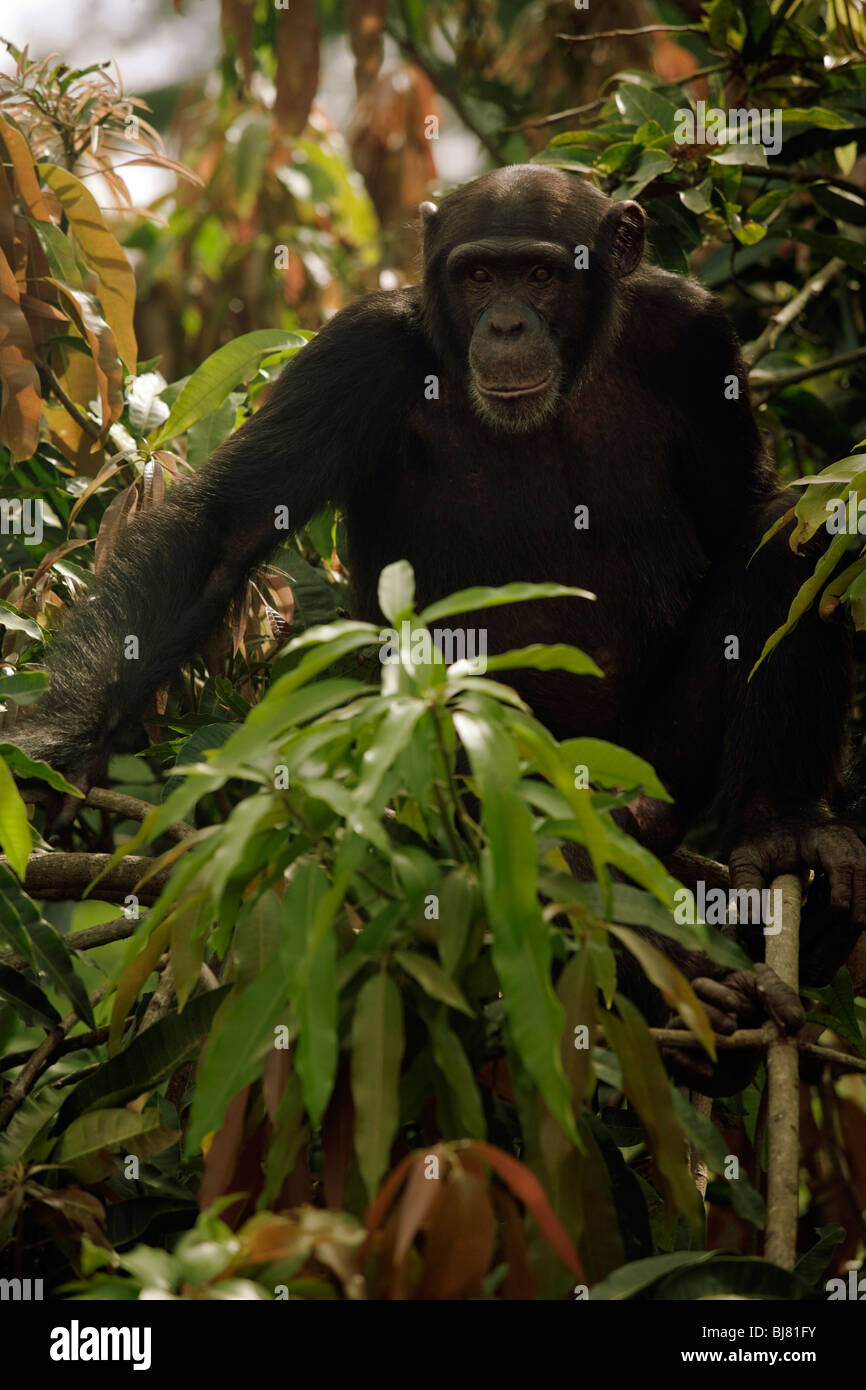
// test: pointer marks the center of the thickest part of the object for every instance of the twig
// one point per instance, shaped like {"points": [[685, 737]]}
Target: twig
{"points": [[118, 929], [130, 807], [817, 283], [633, 33], [791, 174], [83, 422], [755, 1038], [446, 89], [133, 808], [783, 1084], [79, 1042], [767, 383], [42, 1058]]}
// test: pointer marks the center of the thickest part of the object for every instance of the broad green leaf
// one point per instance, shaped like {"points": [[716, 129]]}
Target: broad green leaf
{"points": [[458, 902], [637, 104], [150, 1057], [612, 766], [469, 600], [647, 1087], [396, 590], [806, 595], [27, 999], [671, 984], [228, 367], [640, 1274], [377, 1051], [708, 1140], [237, 1039], [521, 937], [310, 904], [24, 686], [14, 826], [33, 767], [556, 656], [450, 1057], [433, 980], [104, 1129]]}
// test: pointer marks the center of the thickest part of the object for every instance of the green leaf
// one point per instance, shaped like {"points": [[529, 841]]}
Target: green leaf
{"points": [[458, 902], [806, 595], [645, 1083], [555, 656], [27, 999], [35, 767], [310, 904], [208, 434], [103, 1129], [640, 1274], [25, 686], [451, 1059], [433, 980], [612, 766], [150, 1057], [521, 938], [377, 1051], [41, 943], [397, 590], [14, 826], [207, 388], [470, 600], [699, 198], [702, 1133], [638, 104]]}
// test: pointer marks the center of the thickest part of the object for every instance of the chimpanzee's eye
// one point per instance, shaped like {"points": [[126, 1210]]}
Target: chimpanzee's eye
{"points": [[480, 275], [541, 275]]}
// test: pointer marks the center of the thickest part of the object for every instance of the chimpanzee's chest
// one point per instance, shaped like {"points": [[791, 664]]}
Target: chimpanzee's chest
{"points": [[468, 507]]}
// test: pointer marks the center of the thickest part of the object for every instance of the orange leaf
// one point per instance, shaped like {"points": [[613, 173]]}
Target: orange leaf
{"points": [[526, 1186], [22, 399]]}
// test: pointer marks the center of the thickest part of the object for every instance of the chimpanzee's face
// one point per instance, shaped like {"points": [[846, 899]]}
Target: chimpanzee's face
{"points": [[520, 268]]}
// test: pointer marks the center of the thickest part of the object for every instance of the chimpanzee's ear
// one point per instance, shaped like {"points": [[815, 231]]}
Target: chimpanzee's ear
{"points": [[622, 237], [428, 211]]}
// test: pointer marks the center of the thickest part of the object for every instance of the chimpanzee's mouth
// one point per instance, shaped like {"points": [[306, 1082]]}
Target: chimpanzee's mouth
{"points": [[513, 393]]}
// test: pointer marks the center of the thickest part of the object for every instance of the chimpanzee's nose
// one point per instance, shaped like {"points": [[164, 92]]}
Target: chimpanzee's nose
{"points": [[507, 322]]}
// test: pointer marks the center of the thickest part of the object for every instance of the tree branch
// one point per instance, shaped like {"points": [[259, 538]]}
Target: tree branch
{"points": [[815, 285], [633, 33], [768, 383]]}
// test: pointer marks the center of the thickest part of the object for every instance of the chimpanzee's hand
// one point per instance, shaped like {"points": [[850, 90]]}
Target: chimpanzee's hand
{"points": [[743, 999], [793, 843]]}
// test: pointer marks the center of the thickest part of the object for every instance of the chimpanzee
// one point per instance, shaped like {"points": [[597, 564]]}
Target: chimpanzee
{"points": [[546, 406]]}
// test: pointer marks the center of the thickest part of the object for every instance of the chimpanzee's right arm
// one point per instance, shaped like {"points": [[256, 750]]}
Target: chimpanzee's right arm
{"points": [[176, 569]]}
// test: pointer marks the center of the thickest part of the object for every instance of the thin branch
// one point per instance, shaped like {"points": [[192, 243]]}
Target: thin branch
{"points": [[43, 1057], [447, 89], [768, 383], [118, 929], [79, 1042], [791, 174], [633, 33], [815, 285], [83, 422], [133, 808]]}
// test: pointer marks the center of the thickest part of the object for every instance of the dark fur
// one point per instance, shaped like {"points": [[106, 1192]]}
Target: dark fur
{"points": [[673, 473]]}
